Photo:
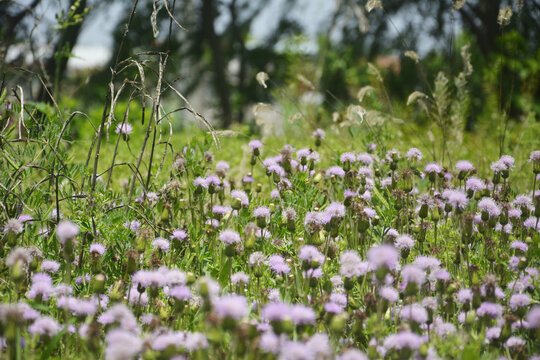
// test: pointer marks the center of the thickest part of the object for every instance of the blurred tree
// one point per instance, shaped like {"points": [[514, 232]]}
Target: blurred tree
{"points": [[14, 25], [204, 55], [70, 23]]}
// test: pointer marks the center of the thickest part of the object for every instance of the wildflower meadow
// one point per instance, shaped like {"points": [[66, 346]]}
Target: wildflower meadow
{"points": [[350, 234]]}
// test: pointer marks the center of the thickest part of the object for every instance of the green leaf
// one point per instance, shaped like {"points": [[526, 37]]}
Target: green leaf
{"points": [[354, 131]]}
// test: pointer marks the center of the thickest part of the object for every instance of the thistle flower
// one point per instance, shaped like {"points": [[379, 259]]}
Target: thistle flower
{"points": [[255, 144], [508, 161], [474, 184], [404, 340], [240, 278], [514, 341], [179, 235], [318, 134], [404, 242], [97, 249], [120, 315], [383, 255], [351, 265], [66, 230], [352, 354], [145, 278], [241, 197], [13, 226], [277, 264], [213, 182], [413, 274], [134, 225], [311, 256], [433, 168], [490, 310], [335, 210], [489, 206], [222, 167], [519, 301], [161, 244], [336, 171], [414, 154], [44, 326], [456, 198], [533, 317], [464, 166], [122, 345], [302, 315], [275, 311], [464, 296], [231, 306], [229, 237], [200, 183], [365, 159], [257, 258], [333, 308], [269, 343], [124, 129], [389, 294], [347, 158], [498, 167], [415, 313], [261, 212], [41, 287], [23, 218], [519, 245], [19, 254], [50, 266], [493, 333], [180, 293], [523, 201]]}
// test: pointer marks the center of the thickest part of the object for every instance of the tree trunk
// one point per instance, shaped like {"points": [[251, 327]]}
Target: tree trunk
{"points": [[239, 39], [56, 64], [213, 41]]}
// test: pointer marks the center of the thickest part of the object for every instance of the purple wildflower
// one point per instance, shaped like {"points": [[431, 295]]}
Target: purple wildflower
{"points": [[255, 144], [161, 244], [404, 242], [66, 230], [491, 310], [351, 265], [519, 301], [231, 306], [433, 168], [310, 254], [241, 197], [347, 157], [403, 340], [464, 166], [415, 313], [318, 134], [489, 206], [383, 255], [336, 171], [413, 274], [533, 318], [124, 128], [98, 249], [229, 237], [45, 326], [179, 235], [414, 154], [261, 212], [50, 266], [474, 184]]}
